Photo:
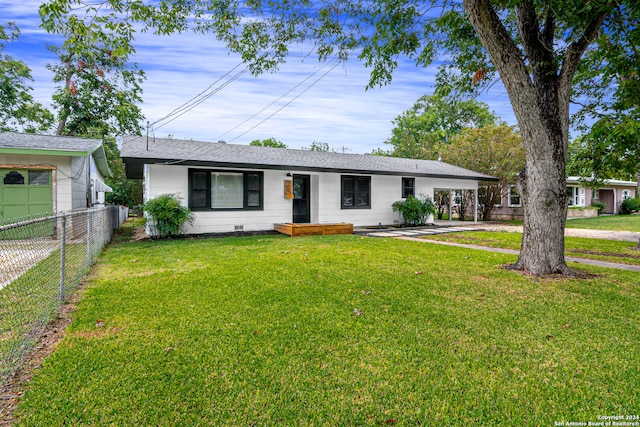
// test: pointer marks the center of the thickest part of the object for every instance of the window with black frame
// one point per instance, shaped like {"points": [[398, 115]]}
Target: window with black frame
{"points": [[355, 192], [408, 187], [225, 190]]}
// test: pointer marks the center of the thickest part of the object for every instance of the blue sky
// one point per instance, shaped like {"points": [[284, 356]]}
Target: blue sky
{"points": [[336, 110]]}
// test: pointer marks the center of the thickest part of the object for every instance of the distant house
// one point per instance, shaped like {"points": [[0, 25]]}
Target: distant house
{"points": [[612, 195], [240, 187], [41, 174]]}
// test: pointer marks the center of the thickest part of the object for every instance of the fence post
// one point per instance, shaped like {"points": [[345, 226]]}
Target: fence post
{"points": [[88, 237], [62, 255]]}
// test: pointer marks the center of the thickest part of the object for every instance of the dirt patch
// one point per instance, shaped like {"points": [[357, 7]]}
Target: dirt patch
{"points": [[571, 273], [11, 392], [139, 234], [607, 254]]}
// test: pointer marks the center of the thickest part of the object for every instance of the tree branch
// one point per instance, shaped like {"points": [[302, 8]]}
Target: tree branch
{"points": [[548, 31], [536, 45], [576, 50], [505, 56], [589, 108]]}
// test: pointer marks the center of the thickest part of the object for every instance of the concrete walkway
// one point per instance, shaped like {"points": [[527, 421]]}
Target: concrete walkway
{"points": [[416, 233], [597, 263]]}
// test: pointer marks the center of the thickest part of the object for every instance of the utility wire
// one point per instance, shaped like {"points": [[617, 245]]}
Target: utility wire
{"points": [[274, 102], [180, 108], [202, 96], [180, 111], [289, 102]]}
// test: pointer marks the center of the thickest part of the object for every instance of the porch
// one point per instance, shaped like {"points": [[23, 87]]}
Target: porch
{"points": [[297, 229]]}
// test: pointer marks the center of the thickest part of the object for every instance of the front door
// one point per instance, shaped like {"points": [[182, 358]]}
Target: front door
{"points": [[301, 199]]}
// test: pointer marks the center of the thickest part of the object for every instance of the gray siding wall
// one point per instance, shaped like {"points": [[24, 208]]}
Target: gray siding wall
{"points": [[80, 182]]}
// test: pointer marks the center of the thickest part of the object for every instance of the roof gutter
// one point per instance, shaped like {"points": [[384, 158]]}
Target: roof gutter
{"points": [[140, 161]]}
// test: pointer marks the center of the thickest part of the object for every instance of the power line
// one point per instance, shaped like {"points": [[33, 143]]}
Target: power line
{"points": [[181, 107], [289, 102], [191, 104], [274, 102]]}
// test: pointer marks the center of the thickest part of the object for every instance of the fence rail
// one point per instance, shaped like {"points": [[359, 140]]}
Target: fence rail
{"points": [[42, 261]]}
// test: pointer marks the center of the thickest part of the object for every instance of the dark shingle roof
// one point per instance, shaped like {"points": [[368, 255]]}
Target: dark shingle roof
{"points": [[48, 142], [53, 145], [171, 151]]}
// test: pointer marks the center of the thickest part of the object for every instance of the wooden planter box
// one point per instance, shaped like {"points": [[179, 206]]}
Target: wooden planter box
{"points": [[295, 230]]}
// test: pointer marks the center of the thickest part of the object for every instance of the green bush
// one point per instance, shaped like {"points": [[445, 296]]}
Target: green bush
{"points": [[415, 210], [600, 206], [167, 214], [630, 206]]}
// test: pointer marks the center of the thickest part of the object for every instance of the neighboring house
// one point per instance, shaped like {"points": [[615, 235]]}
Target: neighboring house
{"points": [[41, 174], [241, 187], [612, 194]]}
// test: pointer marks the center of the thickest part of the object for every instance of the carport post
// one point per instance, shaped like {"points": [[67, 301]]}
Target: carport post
{"points": [[475, 208], [62, 255]]}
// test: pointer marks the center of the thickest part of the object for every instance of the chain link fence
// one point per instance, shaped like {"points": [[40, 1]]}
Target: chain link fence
{"points": [[42, 261]]}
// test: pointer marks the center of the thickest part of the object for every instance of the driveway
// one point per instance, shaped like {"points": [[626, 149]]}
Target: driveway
{"points": [[18, 256]]}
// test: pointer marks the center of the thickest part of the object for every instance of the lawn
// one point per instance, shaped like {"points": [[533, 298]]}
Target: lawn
{"points": [[337, 330], [607, 222], [30, 301], [578, 247]]}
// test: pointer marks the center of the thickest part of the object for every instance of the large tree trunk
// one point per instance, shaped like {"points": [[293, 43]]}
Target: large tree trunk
{"points": [[539, 90], [542, 186]]}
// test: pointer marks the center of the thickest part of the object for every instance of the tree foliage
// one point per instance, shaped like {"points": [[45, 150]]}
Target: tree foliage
{"points": [[100, 87], [19, 112], [610, 150], [270, 142], [609, 146], [319, 146], [126, 192], [433, 120], [493, 150]]}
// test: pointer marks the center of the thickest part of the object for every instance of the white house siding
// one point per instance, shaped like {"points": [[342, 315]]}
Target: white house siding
{"points": [[163, 179], [385, 190], [325, 198]]}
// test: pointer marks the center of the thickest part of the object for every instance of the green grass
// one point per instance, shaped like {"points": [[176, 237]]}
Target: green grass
{"points": [[608, 222], [578, 247], [124, 233], [337, 330], [29, 302]]}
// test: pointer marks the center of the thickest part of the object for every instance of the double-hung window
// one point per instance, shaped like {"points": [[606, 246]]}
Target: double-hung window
{"points": [[225, 190], [576, 196], [355, 192], [408, 187], [514, 198]]}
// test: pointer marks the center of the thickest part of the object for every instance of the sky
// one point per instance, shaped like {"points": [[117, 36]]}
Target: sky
{"points": [[293, 105]]}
